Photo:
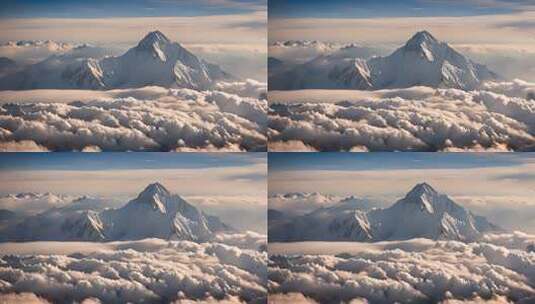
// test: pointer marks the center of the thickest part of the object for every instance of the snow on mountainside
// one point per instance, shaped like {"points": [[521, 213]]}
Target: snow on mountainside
{"points": [[49, 44], [154, 213], [300, 203], [422, 213], [311, 44], [31, 203], [154, 61], [326, 47], [422, 61]]}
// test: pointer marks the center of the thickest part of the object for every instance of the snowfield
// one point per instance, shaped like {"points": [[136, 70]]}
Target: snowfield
{"points": [[497, 269], [145, 119], [146, 271], [499, 116]]}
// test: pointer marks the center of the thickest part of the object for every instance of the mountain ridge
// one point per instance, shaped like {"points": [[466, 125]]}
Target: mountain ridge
{"points": [[421, 213], [155, 213], [155, 60], [421, 61]]}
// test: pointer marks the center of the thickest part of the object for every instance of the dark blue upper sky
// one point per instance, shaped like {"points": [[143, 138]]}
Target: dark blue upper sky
{"points": [[390, 8], [390, 161], [124, 161], [124, 8]]}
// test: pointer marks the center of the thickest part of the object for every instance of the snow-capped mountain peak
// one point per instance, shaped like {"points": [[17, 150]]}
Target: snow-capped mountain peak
{"points": [[154, 189], [422, 195], [421, 38], [424, 44], [155, 43], [421, 189], [155, 37], [154, 195]]}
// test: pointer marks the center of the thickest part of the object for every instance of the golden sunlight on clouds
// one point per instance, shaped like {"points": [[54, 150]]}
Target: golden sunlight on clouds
{"points": [[494, 181], [227, 181], [244, 29], [516, 28]]}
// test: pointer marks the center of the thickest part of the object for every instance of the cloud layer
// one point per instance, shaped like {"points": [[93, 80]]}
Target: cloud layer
{"points": [[174, 119], [420, 119], [144, 271], [410, 272]]}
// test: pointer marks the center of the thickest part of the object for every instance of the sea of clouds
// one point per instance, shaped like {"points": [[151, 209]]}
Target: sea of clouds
{"points": [[499, 116], [147, 119], [232, 269], [498, 269]]}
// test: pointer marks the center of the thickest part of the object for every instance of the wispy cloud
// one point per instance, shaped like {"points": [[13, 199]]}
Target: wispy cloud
{"points": [[396, 30], [244, 29]]}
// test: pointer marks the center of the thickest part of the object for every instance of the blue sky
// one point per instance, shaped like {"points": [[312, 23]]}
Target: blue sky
{"points": [[390, 8], [124, 8], [125, 161], [391, 161]]}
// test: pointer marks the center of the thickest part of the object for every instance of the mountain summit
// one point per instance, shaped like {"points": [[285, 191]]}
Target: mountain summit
{"points": [[421, 189], [154, 43], [421, 195], [153, 195], [421, 61], [152, 38], [154, 213], [422, 213], [155, 60], [420, 40]]}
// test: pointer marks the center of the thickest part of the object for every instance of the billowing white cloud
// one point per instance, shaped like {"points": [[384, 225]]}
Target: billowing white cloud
{"points": [[174, 119], [212, 300], [417, 118], [291, 297], [245, 212], [24, 297], [511, 212], [508, 61], [247, 240], [32, 203], [247, 88], [239, 60], [22, 146], [289, 146], [140, 271], [407, 272]]}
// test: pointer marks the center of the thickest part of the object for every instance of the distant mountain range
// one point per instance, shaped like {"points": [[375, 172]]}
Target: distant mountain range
{"points": [[422, 213], [155, 213], [154, 61], [422, 61]]}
